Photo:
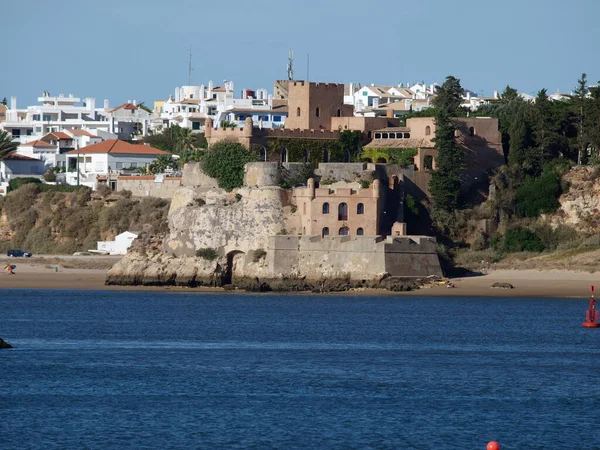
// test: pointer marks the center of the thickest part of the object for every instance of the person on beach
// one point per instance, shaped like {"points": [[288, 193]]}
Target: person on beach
{"points": [[10, 269]]}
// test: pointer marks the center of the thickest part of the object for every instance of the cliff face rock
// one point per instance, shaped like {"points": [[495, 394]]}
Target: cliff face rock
{"points": [[580, 205], [240, 221], [138, 268]]}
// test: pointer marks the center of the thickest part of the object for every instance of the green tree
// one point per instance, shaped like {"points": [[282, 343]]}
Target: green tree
{"points": [[225, 162], [445, 182], [161, 163], [581, 92], [4, 101], [7, 144]]}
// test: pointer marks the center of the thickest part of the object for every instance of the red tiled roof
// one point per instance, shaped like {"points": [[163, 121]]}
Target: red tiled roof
{"points": [[115, 146], [58, 135], [38, 143], [17, 157], [124, 106], [81, 133]]}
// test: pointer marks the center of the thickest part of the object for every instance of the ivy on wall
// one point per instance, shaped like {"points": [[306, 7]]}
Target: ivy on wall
{"points": [[401, 156], [344, 149]]}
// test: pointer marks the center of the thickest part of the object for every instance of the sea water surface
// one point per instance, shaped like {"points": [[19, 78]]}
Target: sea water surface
{"points": [[111, 370]]}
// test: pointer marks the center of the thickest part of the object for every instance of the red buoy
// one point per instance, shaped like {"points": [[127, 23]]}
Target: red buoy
{"points": [[493, 445], [591, 315]]}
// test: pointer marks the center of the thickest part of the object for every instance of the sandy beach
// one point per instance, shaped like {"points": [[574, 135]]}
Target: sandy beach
{"points": [[527, 283]]}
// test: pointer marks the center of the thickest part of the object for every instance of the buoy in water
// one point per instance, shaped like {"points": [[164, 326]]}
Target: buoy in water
{"points": [[591, 315], [493, 445]]}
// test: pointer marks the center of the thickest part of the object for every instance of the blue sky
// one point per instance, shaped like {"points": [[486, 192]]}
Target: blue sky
{"points": [[138, 49]]}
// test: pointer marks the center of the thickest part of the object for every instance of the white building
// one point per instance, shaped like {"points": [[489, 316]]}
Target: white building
{"points": [[15, 165], [192, 105], [86, 165], [60, 113], [54, 113], [131, 121], [119, 246]]}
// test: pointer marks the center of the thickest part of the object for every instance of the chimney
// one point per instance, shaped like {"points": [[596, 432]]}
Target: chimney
{"points": [[270, 100], [128, 101], [407, 85], [106, 104], [13, 103], [468, 95], [351, 89], [496, 94], [135, 103]]}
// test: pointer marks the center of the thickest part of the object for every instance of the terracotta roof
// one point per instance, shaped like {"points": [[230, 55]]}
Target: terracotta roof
{"points": [[115, 146], [81, 133], [59, 135], [38, 143], [17, 157], [124, 106]]}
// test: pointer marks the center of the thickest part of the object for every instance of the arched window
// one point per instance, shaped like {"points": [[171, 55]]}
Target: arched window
{"points": [[360, 232], [284, 156], [298, 111], [318, 112], [263, 154], [343, 211], [384, 136], [360, 208], [325, 208], [325, 232], [305, 155], [326, 156], [344, 231], [471, 131], [304, 208], [428, 162], [427, 130], [339, 113]]}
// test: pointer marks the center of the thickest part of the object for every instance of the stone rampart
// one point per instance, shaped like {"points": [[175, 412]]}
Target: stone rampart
{"points": [[356, 257], [258, 174], [149, 185]]}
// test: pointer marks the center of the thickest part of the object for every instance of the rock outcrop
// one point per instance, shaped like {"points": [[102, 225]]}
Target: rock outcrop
{"points": [[4, 344]]}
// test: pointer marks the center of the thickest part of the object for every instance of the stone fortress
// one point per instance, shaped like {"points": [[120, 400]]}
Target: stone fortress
{"points": [[264, 232], [346, 223]]}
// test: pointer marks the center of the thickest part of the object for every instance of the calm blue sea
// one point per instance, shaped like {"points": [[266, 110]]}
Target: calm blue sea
{"points": [[111, 370]]}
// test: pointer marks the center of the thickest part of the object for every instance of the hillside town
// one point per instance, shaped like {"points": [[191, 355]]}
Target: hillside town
{"points": [[329, 170]]}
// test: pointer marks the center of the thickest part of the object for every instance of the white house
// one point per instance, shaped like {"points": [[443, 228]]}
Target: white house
{"points": [[131, 120], [44, 151], [60, 113], [54, 113], [119, 246], [15, 165], [85, 165], [192, 105]]}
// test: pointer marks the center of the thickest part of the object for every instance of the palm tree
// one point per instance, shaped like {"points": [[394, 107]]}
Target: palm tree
{"points": [[185, 140], [7, 145]]}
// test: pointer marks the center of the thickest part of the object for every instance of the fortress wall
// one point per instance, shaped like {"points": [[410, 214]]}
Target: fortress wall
{"points": [[357, 257], [146, 186]]}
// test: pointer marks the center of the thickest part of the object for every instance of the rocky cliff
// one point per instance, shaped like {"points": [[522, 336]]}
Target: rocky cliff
{"points": [[580, 203]]}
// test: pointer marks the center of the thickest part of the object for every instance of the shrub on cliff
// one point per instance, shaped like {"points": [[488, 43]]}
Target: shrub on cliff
{"points": [[16, 183], [225, 162], [538, 195], [522, 240]]}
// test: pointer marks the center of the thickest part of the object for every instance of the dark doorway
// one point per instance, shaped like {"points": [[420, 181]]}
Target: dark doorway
{"points": [[228, 272]]}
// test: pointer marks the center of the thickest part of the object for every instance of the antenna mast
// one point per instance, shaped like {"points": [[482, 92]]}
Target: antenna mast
{"points": [[290, 66], [190, 68]]}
